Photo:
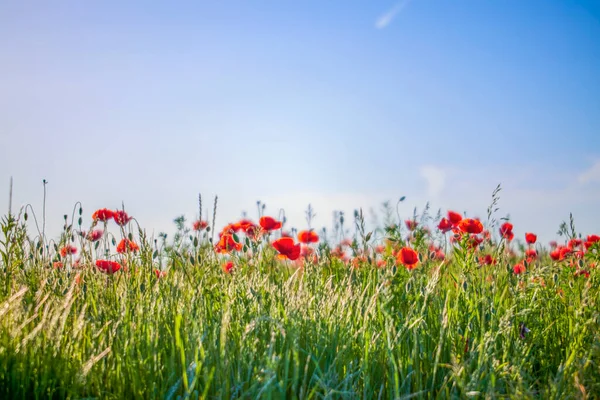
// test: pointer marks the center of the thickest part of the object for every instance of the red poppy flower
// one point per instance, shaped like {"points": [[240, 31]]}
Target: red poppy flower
{"points": [[530, 238], [573, 243], [445, 225], [242, 225], [583, 273], [229, 229], [519, 268], [227, 267], [454, 217], [286, 248], [269, 223], [506, 231], [126, 245], [474, 241], [408, 257], [227, 243], [121, 217], [564, 252], [591, 239], [107, 266], [58, 265], [252, 231], [160, 274], [487, 260], [346, 242], [559, 253], [338, 252], [94, 235], [470, 225], [531, 253], [379, 249], [308, 237], [439, 255], [102, 214], [199, 225], [553, 244], [68, 249], [411, 225]]}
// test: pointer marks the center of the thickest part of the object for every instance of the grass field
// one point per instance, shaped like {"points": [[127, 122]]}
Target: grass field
{"points": [[405, 311]]}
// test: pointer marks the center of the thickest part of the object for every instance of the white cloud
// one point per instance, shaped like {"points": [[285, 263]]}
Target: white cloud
{"points": [[385, 19], [591, 175], [436, 179]]}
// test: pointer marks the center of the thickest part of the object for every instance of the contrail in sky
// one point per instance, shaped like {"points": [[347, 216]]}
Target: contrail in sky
{"points": [[384, 20]]}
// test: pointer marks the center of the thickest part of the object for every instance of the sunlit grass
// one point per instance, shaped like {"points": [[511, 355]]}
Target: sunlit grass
{"points": [[270, 328]]}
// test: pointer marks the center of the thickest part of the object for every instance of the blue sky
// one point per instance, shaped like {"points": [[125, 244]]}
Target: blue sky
{"points": [[342, 104]]}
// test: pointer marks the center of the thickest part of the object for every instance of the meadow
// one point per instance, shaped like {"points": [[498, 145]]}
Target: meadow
{"points": [[423, 306]]}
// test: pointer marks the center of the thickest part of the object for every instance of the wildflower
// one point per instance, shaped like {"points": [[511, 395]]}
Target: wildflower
{"points": [[506, 231], [469, 225], [530, 238], [229, 229], [408, 257], [68, 249], [102, 214], [286, 248], [439, 255], [108, 267], [445, 225], [487, 260], [199, 225], [559, 253], [379, 249], [553, 244], [564, 252], [306, 251], [411, 225], [243, 225], [269, 223], [519, 268], [591, 239], [94, 235], [308, 237], [121, 217], [583, 273], [126, 245], [531, 254], [252, 231], [58, 265], [227, 267], [454, 217], [474, 241], [381, 263], [160, 274], [338, 252], [346, 242], [573, 243], [523, 330], [227, 243], [358, 261]]}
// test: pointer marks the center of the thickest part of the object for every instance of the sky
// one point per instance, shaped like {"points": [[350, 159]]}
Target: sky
{"points": [[340, 104]]}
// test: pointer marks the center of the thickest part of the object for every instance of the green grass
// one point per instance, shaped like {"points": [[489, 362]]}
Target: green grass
{"points": [[269, 329]]}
